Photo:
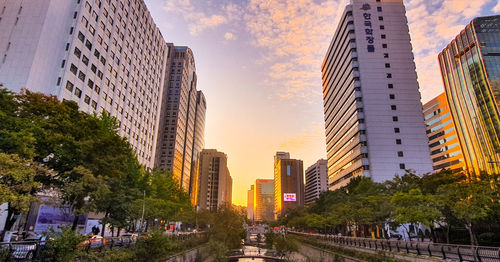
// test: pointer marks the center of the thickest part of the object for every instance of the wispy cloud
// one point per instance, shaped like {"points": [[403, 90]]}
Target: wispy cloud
{"points": [[294, 35], [229, 36], [304, 139], [198, 21], [433, 24]]}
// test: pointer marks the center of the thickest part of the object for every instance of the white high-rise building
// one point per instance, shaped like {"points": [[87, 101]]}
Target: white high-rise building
{"points": [[316, 181], [106, 55], [373, 114]]}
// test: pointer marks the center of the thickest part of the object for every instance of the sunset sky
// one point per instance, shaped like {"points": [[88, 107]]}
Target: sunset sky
{"points": [[258, 63]]}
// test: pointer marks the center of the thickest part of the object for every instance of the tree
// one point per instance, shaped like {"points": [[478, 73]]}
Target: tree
{"points": [[81, 190], [17, 185], [414, 207], [470, 201], [227, 227]]}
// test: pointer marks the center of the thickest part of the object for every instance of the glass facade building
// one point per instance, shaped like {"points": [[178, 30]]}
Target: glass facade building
{"points": [[470, 68], [446, 152]]}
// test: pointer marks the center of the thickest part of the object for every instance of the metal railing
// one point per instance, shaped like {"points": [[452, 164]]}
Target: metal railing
{"points": [[443, 251]]}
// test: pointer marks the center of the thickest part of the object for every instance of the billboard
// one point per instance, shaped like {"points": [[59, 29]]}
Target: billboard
{"points": [[289, 197]]}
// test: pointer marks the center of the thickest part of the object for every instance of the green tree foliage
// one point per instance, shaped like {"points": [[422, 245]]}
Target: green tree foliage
{"points": [[449, 200], [226, 227], [93, 169], [18, 184], [414, 207]]}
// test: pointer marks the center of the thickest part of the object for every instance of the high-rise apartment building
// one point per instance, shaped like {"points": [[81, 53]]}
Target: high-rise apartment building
{"points": [[250, 203], [470, 67], [316, 181], [288, 184], [215, 182], [264, 200], [445, 148], [182, 118], [373, 114]]}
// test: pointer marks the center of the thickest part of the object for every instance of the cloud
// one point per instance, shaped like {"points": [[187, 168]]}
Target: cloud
{"points": [[229, 36], [497, 8], [304, 139], [294, 36], [297, 32], [198, 21], [433, 24]]}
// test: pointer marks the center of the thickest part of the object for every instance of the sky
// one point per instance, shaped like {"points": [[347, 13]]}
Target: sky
{"points": [[259, 65]]}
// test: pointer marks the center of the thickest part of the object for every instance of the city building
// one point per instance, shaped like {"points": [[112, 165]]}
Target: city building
{"points": [[373, 115], [470, 71], [182, 118], [264, 200], [198, 144], [107, 56], [288, 184], [445, 148], [316, 181], [215, 182], [250, 204]]}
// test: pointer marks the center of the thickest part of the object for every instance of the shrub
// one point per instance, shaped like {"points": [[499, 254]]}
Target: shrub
{"points": [[62, 246], [156, 247]]}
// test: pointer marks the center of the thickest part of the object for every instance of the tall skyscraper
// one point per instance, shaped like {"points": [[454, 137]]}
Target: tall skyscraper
{"points": [[373, 115], [264, 200], [180, 116], [446, 152], [470, 67], [198, 144], [288, 184], [108, 56], [215, 182], [250, 203], [316, 181]]}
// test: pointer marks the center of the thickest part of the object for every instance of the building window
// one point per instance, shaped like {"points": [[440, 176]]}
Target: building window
{"points": [[392, 96], [81, 37], [69, 86], [386, 55], [389, 75], [382, 27], [394, 119], [77, 52], [384, 45], [390, 86], [381, 18], [73, 69], [81, 76], [398, 141], [85, 60], [402, 166], [393, 107], [382, 36], [87, 99], [396, 130], [400, 154], [379, 8], [88, 45], [78, 92]]}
